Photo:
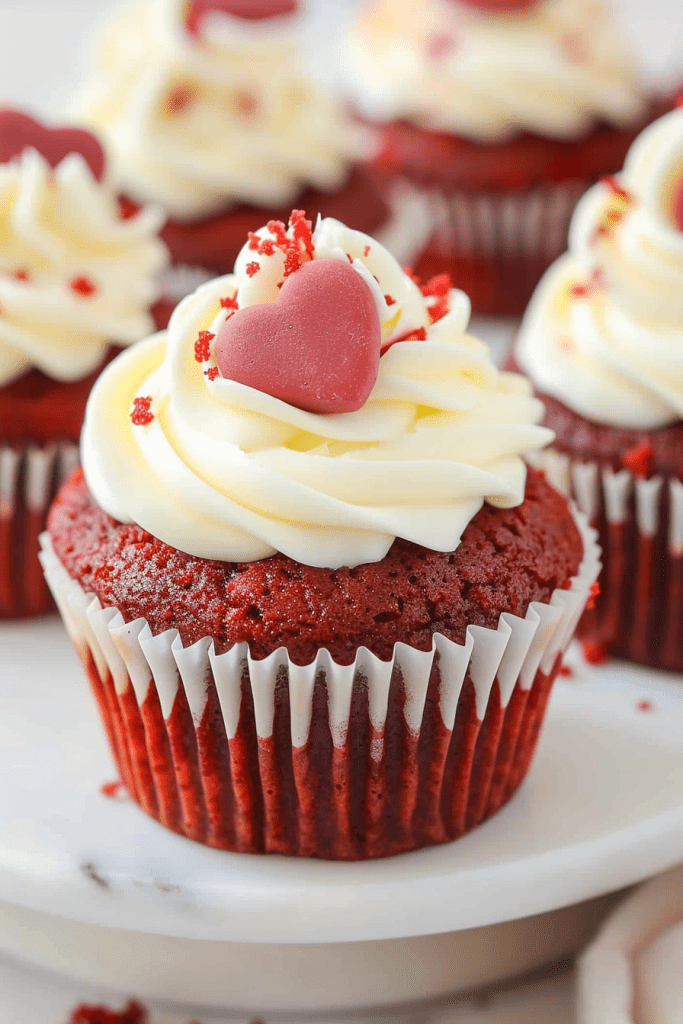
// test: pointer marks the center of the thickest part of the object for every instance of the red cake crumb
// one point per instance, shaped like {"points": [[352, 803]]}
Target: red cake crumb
{"points": [[595, 593], [230, 302], [83, 286], [566, 671], [202, 346], [141, 415], [111, 789], [595, 654], [390, 300], [127, 208], [22, 275], [180, 98], [134, 1013], [639, 459], [645, 705], [506, 559], [616, 188], [253, 268]]}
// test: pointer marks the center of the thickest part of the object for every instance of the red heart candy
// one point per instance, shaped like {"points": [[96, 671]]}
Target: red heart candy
{"points": [[247, 10], [499, 6], [19, 132], [678, 205], [316, 347]]}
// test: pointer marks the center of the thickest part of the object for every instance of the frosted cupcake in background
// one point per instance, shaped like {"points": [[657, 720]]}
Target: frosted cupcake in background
{"points": [[603, 343], [206, 110], [320, 599], [504, 113], [77, 281]]}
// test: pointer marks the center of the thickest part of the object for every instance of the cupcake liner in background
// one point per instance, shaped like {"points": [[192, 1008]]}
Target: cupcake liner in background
{"points": [[638, 613], [326, 760], [496, 245], [30, 476]]}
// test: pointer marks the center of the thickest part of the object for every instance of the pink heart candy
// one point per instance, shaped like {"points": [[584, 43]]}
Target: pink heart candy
{"points": [[248, 10], [19, 132], [316, 347]]}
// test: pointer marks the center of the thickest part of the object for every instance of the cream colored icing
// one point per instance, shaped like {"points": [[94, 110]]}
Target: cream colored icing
{"points": [[226, 471], [554, 69], [604, 330], [197, 124], [74, 277]]}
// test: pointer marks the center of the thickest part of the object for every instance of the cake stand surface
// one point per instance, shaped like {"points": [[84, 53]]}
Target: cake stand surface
{"points": [[90, 886]]}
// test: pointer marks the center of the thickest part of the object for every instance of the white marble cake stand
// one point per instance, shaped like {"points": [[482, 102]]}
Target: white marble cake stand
{"points": [[90, 887]]}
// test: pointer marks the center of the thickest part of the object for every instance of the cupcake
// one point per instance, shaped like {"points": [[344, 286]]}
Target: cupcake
{"points": [[206, 110], [76, 281], [503, 113], [603, 342], [320, 600]]}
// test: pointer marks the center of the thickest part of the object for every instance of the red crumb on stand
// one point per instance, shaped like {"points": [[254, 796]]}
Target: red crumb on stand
{"points": [[83, 286], [202, 346], [645, 705], [134, 1013], [141, 415], [594, 653], [639, 459], [112, 790]]}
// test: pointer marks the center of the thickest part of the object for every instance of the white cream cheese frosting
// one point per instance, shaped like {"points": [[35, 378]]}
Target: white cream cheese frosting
{"points": [[222, 470], [197, 122], [604, 330], [554, 68], [75, 277]]}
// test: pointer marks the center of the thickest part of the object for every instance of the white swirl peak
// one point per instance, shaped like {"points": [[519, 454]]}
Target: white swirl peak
{"points": [[75, 277], [221, 470], [604, 330], [197, 123], [553, 69]]}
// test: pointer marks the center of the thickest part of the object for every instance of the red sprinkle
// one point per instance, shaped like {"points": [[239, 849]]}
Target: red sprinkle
{"points": [[22, 275], [83, 286], [141, 414], [111, 789], [212, 372], [594, 594], [595, 654], [180, 98], [566, 671], [134, 1013], [614, 186], [127, 208], [253, 268], [645, 705], [202, 346], [230, 302], [639, 459], [390, 300]]}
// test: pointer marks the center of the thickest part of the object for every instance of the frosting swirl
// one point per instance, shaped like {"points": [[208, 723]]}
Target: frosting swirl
{"points": [[604, 331], [74, 276], [553, 69], [222, 470], [196, 122]]}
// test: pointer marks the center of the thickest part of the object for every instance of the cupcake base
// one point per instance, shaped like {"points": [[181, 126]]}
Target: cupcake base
{"points": [[324, 760]]}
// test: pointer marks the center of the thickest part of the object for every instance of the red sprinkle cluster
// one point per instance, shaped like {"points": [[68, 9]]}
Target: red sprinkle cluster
{"points": [[83, 286], [297, 250], [230, 302], [141, 414], [202, 346], [440, 287], [639, 459], [134, 1013], [212, 372]]}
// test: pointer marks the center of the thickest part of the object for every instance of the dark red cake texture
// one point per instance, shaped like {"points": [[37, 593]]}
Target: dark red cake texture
{"points": [[506, 559]]}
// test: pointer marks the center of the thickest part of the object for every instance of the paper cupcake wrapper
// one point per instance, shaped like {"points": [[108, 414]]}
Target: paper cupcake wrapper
{"points": [[29, 478], [496, 246], [327, 760], [639, 612]]}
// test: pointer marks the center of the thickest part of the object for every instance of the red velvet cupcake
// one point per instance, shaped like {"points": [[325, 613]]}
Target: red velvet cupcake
{"points": [[320, 600], [503, 114], [76, 283], [207, 112], [603, 342]]}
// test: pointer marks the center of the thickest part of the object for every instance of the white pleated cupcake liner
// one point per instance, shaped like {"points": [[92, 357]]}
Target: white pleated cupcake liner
{"points": [[30, 475], [639, 612], [330, 760]]}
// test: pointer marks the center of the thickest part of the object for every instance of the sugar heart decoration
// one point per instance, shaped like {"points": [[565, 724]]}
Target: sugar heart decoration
{"points": [[247, 10], [499, 6], [316, 347], [19, 132]]}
